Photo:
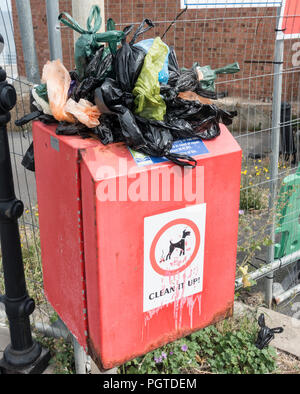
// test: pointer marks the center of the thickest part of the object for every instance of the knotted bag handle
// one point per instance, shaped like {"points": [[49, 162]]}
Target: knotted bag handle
{"points": [[141, 29], [95, 16], [182, 160]]}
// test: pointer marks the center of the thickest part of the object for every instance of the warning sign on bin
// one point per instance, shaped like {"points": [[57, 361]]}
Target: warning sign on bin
{"points": [[190, 146], [173, 255]]}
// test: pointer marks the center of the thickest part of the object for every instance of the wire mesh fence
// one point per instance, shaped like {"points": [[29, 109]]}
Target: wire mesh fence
{"points": [[25, 187], [214, 37]]}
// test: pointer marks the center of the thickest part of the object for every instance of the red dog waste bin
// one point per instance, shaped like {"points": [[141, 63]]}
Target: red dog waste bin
{"points": [[136, 251]]}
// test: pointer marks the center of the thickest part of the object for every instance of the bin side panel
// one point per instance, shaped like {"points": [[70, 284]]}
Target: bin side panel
{"points": [[119, 330], [59, 203]]}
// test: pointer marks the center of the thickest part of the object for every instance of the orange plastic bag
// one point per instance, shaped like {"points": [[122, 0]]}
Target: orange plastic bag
{"points": [[192, 96], [58, 80], [87, 113]]}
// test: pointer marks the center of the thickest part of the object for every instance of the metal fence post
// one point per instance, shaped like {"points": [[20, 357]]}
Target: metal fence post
{"points": [[82, 360], [54, 30], [23, 354], [275, 147], [28, 43]]}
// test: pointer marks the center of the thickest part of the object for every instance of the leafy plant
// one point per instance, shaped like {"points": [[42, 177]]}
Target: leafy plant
{"points": [[234, 352], [170, 359], [226, 350], [62, 354]]}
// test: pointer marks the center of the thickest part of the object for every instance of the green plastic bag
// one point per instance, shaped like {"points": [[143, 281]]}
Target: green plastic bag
{"points": [[42, 92], [208, 82], [89, 42], [148, 102]]}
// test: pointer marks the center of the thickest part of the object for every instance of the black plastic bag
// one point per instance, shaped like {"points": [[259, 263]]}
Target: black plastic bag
{"points": [[160, 140], [93, 66], [97, 70], [28, 159], [65, 128], [209, 128], [188, 80], [158, 137], [204, 119], [174, 69], [109, 98], [36, 115], [180, 128], [28, 118], [265, 334], [129, 58], [109, 130]]}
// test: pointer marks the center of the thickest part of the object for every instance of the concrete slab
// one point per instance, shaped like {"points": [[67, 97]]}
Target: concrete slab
{"points": [[289, 340]]}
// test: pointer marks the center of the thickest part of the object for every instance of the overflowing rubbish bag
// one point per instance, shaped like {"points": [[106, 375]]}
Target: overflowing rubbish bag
{"points": [[129, 90]]}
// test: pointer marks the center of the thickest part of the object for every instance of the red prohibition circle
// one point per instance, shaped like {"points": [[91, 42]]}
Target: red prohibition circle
{"points": [[154, 264]]}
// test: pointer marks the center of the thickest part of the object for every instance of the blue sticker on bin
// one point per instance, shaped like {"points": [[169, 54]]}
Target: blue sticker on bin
{"points": [[190, 146]]}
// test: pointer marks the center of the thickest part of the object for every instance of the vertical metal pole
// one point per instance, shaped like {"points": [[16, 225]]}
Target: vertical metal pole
{"points": [[82, 360], [52, 7], [28, 43], [275, 147]]}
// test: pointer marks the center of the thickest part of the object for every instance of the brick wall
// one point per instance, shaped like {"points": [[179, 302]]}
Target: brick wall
{"points": [[39, 20], [211, 37], [217, 37]]}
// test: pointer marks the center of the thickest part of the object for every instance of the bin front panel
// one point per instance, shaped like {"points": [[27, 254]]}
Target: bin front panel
{"points": [[60, 219], [142, 292]]}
